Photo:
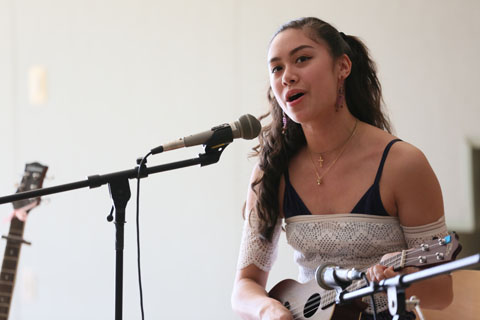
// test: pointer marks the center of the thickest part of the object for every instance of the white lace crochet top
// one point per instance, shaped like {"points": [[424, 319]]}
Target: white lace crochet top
{"points": [[347, 240]]}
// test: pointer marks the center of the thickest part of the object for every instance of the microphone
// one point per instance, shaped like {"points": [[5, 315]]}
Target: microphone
{"points": [[331, 277], [246, 127]]}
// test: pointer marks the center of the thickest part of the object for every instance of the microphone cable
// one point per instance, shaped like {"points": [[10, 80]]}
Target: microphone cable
{"points": [[372, 298], [140, 166]]}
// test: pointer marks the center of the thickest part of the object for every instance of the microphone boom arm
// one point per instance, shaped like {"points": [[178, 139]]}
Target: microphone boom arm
{"points": [[120, 193], [395, 287], [211, 156]]}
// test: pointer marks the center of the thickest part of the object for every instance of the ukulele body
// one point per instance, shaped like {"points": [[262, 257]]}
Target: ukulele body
{"points": [[304, 300]]}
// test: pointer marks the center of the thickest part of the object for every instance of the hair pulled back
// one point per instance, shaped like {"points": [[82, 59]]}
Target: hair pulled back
{"points": [[364, 100]]}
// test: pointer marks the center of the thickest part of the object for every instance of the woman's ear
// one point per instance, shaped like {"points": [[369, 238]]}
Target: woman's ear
{"points": [[344, 65]]}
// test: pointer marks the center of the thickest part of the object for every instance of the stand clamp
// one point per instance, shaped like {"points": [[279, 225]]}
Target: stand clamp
{"points": [[396, 297]]}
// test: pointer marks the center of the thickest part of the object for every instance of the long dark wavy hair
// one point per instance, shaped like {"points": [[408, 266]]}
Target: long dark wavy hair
{"points": [[363, 95]]}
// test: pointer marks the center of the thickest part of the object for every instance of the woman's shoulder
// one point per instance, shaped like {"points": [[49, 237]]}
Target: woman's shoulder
{"points": [[413, 185], [405, 158], [401, 151]]}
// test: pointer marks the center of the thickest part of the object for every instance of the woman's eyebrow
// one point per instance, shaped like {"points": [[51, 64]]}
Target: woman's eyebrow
{"points": [[292, 52]]}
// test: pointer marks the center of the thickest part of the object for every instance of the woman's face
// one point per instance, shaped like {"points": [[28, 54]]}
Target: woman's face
{"points": [[303, 77]]}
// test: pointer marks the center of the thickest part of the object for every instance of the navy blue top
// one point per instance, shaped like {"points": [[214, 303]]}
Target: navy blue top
{"points": [[370, 203]]}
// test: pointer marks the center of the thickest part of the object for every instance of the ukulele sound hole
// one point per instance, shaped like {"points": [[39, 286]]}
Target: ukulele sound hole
{"points": [[312, 305], [287, 305]]}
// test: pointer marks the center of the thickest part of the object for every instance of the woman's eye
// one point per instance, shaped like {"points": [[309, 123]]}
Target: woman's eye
{"points": [[302, 59], [276, 68]]}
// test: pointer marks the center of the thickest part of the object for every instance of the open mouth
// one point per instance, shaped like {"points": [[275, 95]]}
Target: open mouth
{"points": [[295, 97]]}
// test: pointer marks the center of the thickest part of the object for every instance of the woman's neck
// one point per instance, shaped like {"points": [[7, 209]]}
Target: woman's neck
{"points": [[326, 134]]}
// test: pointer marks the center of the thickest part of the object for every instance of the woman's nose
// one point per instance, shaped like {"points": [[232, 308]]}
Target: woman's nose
{"points": [[289, 77]]}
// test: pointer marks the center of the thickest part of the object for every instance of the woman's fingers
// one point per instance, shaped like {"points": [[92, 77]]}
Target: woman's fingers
{"points": [[376, 273], [379, 272], [389, 273]]}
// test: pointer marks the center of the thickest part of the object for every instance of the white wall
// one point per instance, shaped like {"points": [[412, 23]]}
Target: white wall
{"points": [[124, 76]]}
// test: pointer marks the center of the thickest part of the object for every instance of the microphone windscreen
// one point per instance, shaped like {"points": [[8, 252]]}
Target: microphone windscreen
{"points": [[249, 126]]}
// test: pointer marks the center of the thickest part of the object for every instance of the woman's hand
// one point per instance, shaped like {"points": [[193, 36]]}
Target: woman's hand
{"points": [[274, 310], [379, 272]]}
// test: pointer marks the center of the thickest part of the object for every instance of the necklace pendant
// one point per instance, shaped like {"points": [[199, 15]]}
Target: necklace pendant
{"points": [[320, 161], [319, 181]]}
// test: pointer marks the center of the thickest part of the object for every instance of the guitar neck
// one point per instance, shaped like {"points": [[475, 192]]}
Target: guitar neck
{"points": [[328, 297], [430, 253], [397, 262], [10, 265], [312, 297], [32, 179]]}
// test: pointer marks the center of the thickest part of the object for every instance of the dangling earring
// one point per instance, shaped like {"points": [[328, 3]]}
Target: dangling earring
{"points": [[284, 121], [340, 97]]}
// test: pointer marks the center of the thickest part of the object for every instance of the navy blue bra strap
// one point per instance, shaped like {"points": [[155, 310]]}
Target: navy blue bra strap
{"points": [[382, 162]]}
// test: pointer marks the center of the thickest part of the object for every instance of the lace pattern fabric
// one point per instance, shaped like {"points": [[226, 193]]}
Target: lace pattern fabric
{"points": [[415, 236], [352, 240], [254, 249], [347, 240]]}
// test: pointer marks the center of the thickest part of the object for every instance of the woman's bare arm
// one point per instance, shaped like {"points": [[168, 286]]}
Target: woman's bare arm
{"points": [[418, 200], [249, 298]]}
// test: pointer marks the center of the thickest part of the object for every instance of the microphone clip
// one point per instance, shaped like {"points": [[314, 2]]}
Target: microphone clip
{"points": [[222, 136]]}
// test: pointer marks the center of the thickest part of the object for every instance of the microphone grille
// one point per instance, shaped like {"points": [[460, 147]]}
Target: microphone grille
{"points": [[249, 126], [320, 275]]}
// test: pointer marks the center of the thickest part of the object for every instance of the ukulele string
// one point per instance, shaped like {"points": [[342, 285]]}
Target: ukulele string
{"points": [[295, 311], [310, 306], [313, 304], [398, 258]]}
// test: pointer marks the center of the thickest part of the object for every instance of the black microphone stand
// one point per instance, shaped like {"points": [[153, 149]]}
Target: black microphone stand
{"points": [[120, 194], [395, 287]]}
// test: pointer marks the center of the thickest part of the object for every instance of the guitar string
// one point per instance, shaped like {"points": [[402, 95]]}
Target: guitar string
{"points": [[314, 307], [314, 304], [398, 257], [330, 294]]}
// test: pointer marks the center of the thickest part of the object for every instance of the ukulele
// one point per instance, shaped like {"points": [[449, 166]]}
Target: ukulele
{"points": [[32, 179], [310, 301]]}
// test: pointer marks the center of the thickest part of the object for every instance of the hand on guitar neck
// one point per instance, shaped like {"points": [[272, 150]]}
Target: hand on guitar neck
{"points": [[422, 290], [382, 271]]}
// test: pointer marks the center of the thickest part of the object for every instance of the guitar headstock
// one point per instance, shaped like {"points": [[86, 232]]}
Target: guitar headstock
{"points": [[433, 252], [32, 179]]}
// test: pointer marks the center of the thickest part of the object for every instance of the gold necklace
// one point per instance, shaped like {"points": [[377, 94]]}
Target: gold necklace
{"points": [[320, 177], [320, 155], [320, 159]]}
